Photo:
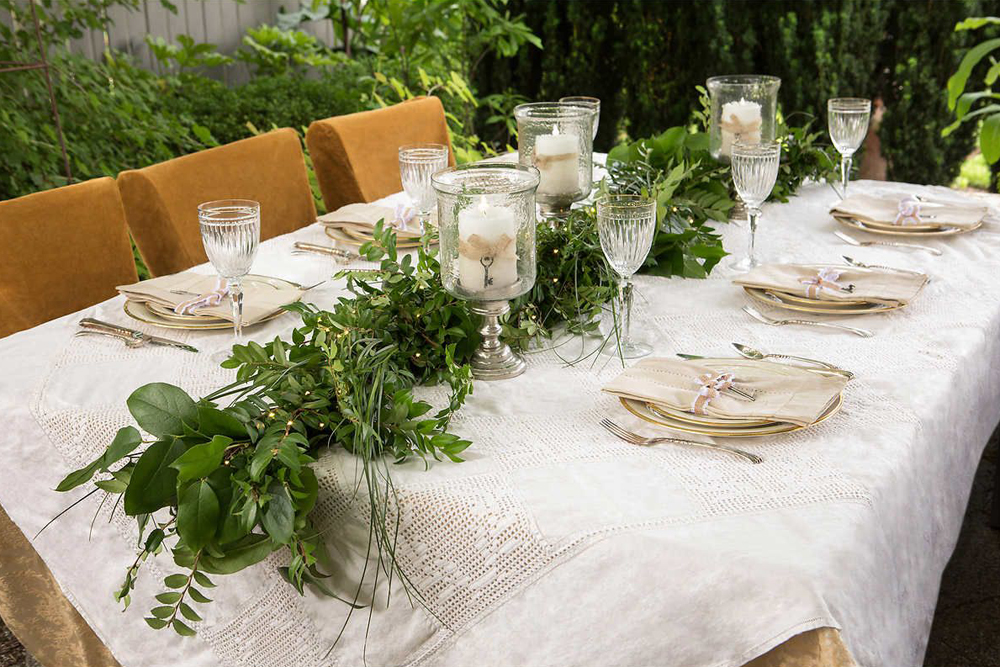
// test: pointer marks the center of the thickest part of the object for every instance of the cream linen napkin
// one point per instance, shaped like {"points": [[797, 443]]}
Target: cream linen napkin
{"points": [[259, 301], [800, 397], [872, 285], [362, 218], [886, 209]]}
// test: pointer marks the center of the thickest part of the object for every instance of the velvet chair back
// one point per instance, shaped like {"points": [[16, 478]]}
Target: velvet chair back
{"points": [[356, 156], [161, 201], [63, 250]]}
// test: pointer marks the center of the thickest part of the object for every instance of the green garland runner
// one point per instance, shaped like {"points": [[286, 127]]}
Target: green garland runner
{"points": [[219, 488]]}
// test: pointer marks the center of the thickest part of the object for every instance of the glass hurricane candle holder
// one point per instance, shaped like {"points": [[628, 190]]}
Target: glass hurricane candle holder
{"points": [[557, 138], [486, 227], [743, 108]]}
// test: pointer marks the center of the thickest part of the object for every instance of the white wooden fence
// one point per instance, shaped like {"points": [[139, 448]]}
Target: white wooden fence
{"points": [[220, 22]]}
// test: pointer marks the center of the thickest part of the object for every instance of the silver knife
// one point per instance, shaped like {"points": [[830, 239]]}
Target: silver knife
{"points": [[815, 369], [346, 255], [98, 325]]}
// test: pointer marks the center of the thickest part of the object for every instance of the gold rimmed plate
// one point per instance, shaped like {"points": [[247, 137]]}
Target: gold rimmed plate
{"points": [[796, 298], [643, 412], [901, 230], [776, 299]]}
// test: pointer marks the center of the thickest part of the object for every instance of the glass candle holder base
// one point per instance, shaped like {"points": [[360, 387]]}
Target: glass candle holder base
{"points": [[555, 212], [493, 359], [738, 213]]}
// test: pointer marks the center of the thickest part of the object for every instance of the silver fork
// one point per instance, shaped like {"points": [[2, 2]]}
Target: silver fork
{"points": [[636, 439], [862, 265], [761, 317], [181, 292], [846, 238], [128, 340]]}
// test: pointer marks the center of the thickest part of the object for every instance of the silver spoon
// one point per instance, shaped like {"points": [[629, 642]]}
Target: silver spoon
{"points": [[893, 244], [757, 355]]}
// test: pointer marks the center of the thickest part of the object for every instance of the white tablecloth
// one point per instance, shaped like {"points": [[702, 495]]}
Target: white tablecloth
{"points": [[555, 543]]}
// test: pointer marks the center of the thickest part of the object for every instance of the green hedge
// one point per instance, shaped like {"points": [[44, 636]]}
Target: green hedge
{"points": [[116, 116], [643, 60]]}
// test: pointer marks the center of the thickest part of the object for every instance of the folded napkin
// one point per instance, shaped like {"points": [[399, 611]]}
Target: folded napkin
{"points": [[872, 285], [259, 301], [800, 397], [362, 218], [906, 210]]}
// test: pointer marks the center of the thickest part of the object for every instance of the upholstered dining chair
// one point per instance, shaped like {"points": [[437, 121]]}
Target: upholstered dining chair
{"points": [[356, 156], [63, 250], [161, 201]]}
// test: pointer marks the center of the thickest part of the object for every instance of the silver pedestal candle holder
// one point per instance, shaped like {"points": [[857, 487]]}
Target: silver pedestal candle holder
{"points": [[557, 138], [486, 228], [743, 108]]}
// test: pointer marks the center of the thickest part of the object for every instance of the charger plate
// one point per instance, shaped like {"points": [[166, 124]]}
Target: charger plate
{"points": [[680, 420], [894, 230], [779, 300]]}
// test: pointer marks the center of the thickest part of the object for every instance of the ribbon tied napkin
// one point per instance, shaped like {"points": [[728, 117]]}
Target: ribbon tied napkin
{"points": [[195, 294], [363, 217], [907, 210], [825, 283], [211, 298], [782, 393], [710, 386]]}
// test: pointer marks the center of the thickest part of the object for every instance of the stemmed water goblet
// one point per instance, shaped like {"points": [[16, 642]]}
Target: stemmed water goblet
{"points": [[592, 103], [230, 231], [755, 169], [626, 225], [417, 163], [847, 118]]}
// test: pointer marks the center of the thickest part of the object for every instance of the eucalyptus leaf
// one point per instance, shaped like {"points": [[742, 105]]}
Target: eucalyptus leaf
{"points": [[279, 515], [162, 409], [125, 442], [201, 460], [198, 514], [154, 482]]}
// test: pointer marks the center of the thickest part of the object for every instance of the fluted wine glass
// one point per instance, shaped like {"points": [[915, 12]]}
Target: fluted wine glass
{"points": [[417, 163], [755, 169], [626, 225], [592, 103], [230, 231], [847, 118]]}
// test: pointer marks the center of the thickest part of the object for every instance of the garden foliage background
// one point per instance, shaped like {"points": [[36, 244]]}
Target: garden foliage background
{"points": [[643, 59]]}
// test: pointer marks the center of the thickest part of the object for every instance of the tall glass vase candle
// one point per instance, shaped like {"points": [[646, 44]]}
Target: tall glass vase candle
{"points": [[557, 138], [848, 121], [743, 108], [486, 226]]}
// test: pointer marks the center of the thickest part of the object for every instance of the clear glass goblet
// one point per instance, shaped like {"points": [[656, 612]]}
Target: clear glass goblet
{"points": [[230, 231], [592, 103], [847, 118], [755, 169], [626, 225], [417, 163]]}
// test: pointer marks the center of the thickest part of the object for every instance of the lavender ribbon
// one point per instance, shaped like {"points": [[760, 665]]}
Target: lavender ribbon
{"points": [[213, 298]]}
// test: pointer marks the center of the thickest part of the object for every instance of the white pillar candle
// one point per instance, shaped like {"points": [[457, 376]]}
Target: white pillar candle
{"points": [[557, 158], [740, 121], [487, 247]]}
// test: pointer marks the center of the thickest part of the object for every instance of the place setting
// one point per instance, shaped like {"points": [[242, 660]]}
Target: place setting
{"points": [[234, 298], [742, 397]]}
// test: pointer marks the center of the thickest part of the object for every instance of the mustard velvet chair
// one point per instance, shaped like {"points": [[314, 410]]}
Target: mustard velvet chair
{"points": [[161, 201], [63, 250], [356, 156]]}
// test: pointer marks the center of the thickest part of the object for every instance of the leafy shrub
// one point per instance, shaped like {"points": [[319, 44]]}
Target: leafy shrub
{"points": [[111, 118]]}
